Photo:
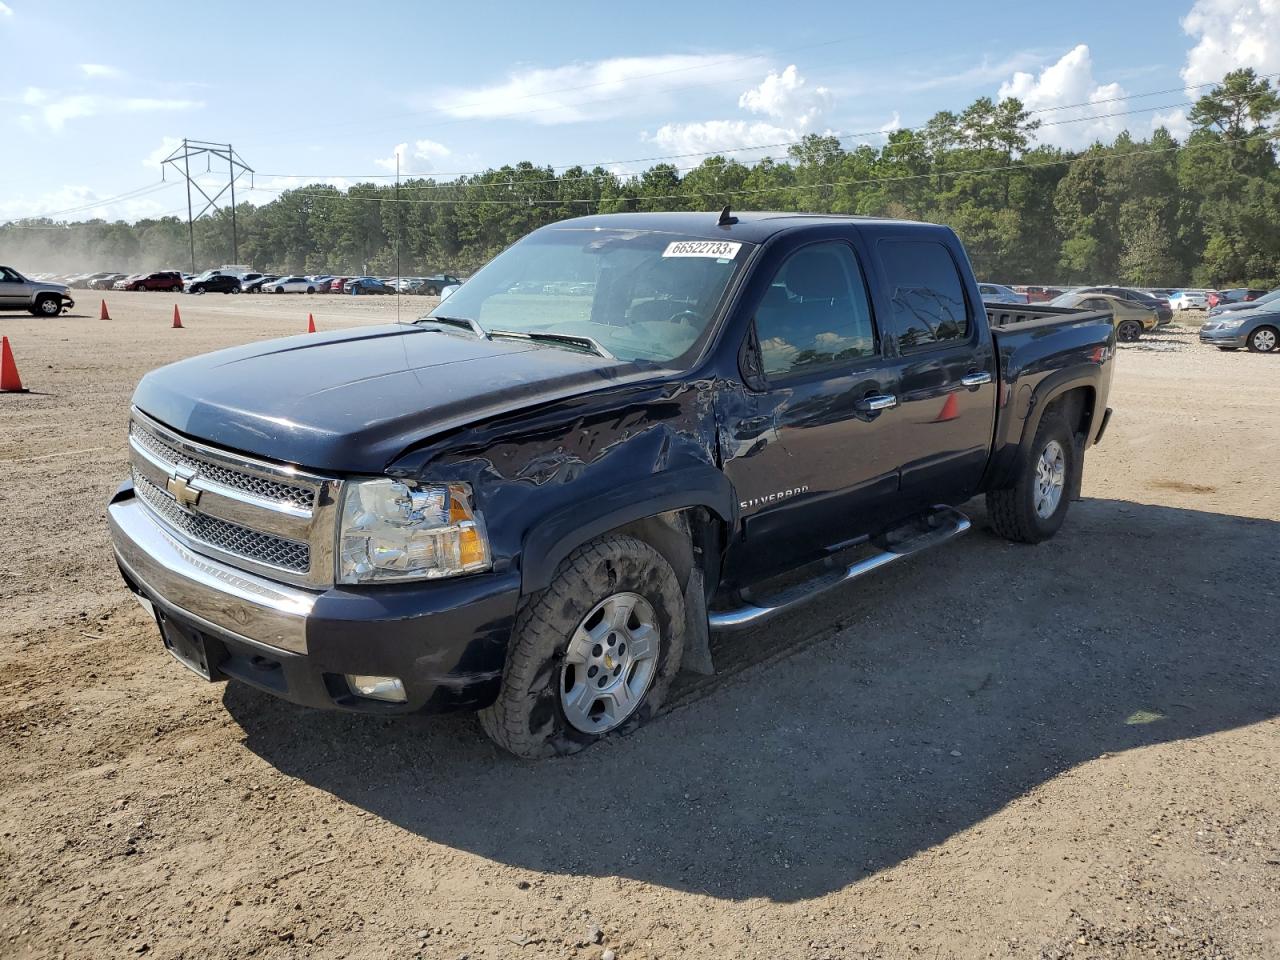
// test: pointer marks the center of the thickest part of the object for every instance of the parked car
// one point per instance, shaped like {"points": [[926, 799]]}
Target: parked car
{"points": [[213, 281], [123, 282], [255, 286], [1238, 296], [363, 285], [1041, 294], [87, 280], [338, 284], [1164, 311], [38, 297], [248, 278], [999, 293], [290, 285], [1222, 308], [163, 280], [543, 517], [1130, 317], [431, 286], [106, 281], [1189, 300], [1257, 328]]}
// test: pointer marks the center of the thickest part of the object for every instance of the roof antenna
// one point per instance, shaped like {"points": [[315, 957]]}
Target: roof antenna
{"points": [[726, 218]]}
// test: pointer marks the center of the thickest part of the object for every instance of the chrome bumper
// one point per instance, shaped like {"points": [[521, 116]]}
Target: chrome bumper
{"points": [[218, 596]]}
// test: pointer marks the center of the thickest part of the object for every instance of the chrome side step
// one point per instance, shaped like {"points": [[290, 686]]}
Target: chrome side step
{"points": [[944, 523]]}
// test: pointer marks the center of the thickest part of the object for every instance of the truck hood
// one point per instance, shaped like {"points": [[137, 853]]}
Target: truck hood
{"points": [[351, 401]]}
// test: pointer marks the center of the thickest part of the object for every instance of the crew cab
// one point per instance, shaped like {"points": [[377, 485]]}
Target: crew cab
{"points": [[623, 433], [37, 297]]}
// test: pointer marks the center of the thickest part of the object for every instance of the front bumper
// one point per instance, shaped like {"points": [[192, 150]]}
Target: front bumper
{"points": [[1235, 337], [445, 640]]}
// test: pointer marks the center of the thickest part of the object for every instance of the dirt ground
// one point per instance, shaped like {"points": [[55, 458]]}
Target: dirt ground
{"points": [[1063, 751]]}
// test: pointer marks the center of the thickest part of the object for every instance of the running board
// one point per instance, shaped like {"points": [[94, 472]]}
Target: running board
{"points": [[941, 524]]}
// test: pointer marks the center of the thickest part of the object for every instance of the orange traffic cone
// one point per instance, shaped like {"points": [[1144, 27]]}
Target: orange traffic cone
{"points": [[10, 382], [177, 318], [103, 315], [311, 324], [950, 409]]}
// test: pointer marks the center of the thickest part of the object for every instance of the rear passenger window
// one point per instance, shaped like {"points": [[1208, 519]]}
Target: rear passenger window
{"points": [[815, 312], [926, 293]]}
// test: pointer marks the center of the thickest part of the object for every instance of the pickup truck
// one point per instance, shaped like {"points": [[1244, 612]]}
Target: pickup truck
{"points": [[539, 504], [35, 296]]}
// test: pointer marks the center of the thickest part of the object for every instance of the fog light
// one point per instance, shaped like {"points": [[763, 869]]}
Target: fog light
{"points": [[377, 688]]}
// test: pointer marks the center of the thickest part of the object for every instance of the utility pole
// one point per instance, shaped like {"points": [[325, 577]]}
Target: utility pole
{"points": [[397, 236], [236, 167]]}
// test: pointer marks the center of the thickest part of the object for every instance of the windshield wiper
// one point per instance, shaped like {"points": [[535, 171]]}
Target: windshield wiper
{"points": [[566, 339], [465, 322]]}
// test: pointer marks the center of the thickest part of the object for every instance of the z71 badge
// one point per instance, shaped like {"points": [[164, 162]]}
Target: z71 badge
{"points": [[771, 497]]}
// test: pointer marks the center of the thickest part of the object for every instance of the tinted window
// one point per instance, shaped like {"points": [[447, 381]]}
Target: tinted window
{"points": [[926, 293], [815, 311]]}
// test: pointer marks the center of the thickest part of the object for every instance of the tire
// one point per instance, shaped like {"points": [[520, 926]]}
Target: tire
{"points": [[432, 291], [47, 305], [1264, 340], [279, 289], [1013, 511], [234, 290], [1128, 331], [311, 289], [529, 717], [1228, 349]]}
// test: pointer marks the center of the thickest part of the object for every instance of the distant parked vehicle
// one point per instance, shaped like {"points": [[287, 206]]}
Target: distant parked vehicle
{"points": [[1234, 295], [338, 284], [431, 286], [362, 285], [212, 281], [1256, 327], [255, 286], [1189, 300], [999, 293], [290, 285], [106, 281], [161, 280], [87, 281], [1164, 311], [1222, 308], [1130, 317], [1041, 294]]}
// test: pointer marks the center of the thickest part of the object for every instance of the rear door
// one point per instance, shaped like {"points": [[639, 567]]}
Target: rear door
{"points": [[945, 369], [811, 453]]}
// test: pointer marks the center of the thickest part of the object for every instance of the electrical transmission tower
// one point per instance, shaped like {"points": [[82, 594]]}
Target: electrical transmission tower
{"points": [[181, 159]]}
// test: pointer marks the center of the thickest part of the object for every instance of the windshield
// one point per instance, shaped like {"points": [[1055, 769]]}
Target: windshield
{"points": [[640, 295]]}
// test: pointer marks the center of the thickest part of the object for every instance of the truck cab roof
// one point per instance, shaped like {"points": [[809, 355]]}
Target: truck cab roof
{"points": [[751, 227]]}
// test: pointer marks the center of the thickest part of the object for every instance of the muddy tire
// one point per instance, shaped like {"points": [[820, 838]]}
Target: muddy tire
{"points": [[564, 651], [1035, 506]]}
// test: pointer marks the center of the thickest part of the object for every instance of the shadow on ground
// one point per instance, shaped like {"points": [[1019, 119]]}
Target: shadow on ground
{"points": [[875, 723]]}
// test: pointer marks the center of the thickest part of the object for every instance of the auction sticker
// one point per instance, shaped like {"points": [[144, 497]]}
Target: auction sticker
{"points": [[716, 249]]}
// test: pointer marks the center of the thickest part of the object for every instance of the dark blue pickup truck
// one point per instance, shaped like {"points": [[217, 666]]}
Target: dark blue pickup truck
{"points": [[625, 432]]}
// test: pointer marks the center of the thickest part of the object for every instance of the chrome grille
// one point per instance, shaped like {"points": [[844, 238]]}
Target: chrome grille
{"points": [[256, 486], [262, 548]]}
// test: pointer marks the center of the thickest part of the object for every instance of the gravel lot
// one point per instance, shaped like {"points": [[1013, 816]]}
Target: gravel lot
{"points": [[1068, 750]]}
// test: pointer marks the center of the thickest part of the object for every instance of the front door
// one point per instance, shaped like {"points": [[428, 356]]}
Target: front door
{"points": [[15, 291], [808, 447]]}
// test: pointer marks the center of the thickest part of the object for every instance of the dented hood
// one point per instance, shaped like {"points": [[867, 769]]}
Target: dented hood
{"points": [[352, 400]]}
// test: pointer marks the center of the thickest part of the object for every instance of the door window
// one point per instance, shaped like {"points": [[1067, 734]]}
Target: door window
{"points": [[926, 293], [816, 312]]}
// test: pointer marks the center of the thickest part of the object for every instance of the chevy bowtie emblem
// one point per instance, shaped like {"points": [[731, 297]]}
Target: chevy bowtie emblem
{"points": [[180, 489]]}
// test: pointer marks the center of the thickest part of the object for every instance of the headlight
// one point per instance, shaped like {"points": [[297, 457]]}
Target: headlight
{"points": [[1230, 323], [399, 530]]}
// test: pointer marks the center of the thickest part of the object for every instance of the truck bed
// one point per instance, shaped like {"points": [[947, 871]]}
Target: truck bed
{"points": [[1006, 317]]}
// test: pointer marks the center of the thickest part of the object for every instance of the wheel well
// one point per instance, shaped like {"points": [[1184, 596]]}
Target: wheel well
{"points": [[1076, 406], [684, 538]]}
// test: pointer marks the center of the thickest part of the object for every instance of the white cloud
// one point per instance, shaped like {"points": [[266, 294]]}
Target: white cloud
{"points": [[5, 10], [1175, 121], [57, 109], [892, 124], [585, 91], [978, 75], [101, 71], [419, 159], [1069, 81], [785, 97], [1231, 34], [156, 157]]}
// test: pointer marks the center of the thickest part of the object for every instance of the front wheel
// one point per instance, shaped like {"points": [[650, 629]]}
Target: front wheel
{"points": [[234, 290], [1035, 506], [48, 306], [1263, 340], [594, 654]]}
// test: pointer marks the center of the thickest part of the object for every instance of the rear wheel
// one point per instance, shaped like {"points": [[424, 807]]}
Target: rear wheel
{"points": [[1128, 331], [311, 289], [594, 654], [1035, 506], [1263, 340]]}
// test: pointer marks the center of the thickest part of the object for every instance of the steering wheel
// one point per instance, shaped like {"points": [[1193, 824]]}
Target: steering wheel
{"points": [[686, 318]]}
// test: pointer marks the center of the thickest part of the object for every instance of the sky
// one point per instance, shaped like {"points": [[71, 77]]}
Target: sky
{"points": [[95, 95]]}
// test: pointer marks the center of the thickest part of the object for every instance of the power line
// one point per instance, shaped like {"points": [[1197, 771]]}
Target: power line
{"points": [[134, 194]]}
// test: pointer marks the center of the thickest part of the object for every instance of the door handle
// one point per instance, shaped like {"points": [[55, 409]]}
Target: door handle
{"points": [[976, 379], [877, 401]]}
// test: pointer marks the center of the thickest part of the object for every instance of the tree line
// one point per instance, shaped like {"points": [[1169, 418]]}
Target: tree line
{"points": [[1148, 212]]}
